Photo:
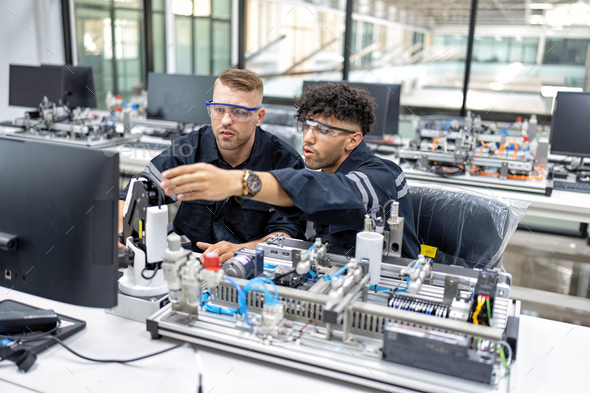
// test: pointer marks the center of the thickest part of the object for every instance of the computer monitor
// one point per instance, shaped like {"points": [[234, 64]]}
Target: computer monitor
{"points": [[27, 85], [570, 124], [74, 86], [79, 87], [179, 97], [58, 222], [387, 97]]}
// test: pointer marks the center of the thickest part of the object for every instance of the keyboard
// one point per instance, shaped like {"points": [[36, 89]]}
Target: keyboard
{"points": [[571, 186]]}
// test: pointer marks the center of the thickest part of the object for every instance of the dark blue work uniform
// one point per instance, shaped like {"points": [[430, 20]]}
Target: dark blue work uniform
{"points": [[337, 203], [211, 222]]}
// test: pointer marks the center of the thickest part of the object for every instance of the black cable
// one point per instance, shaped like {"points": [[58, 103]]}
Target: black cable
{"points": [[398, 284], [302, 280], [104, 360], [148, 278], [438, 170], [283, 275]]}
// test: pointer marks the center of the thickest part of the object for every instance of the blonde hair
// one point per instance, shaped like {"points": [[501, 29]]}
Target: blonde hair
{"points": [[241, 80]]}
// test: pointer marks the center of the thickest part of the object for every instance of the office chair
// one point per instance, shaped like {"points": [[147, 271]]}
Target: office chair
{"points": [[467, 228]]}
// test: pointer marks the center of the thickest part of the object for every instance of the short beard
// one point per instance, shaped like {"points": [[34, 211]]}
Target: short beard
{"points": [[329, 160]]}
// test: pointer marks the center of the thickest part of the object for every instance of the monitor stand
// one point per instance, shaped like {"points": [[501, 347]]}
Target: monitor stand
{"points": [[579, 167]]}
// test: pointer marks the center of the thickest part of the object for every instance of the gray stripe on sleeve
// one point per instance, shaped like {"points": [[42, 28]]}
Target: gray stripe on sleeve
{"points": [[399, 180], [370, 188], [402, 193], [361, 188]]}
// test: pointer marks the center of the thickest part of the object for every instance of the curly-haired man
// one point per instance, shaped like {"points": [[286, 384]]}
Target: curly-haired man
{"points": [[333, 117]]}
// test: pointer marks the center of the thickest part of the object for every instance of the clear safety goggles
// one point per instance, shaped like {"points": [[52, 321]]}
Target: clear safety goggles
{"points": [[319, 129], [238, 113]]}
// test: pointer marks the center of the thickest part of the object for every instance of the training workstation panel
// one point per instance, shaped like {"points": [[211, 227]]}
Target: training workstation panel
{"points": [[549, 350]]}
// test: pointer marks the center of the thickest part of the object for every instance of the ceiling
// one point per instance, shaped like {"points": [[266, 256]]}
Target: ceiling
{"points": [[428, 13]]}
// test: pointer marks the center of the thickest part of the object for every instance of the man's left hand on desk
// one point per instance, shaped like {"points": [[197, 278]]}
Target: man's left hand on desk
{"points": [[225, 249]]}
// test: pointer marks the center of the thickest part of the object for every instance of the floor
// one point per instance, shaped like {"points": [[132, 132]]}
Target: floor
{"points": [[551, 275]]}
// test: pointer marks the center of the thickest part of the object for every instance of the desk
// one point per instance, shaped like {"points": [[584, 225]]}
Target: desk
{"points": [[561, 205], [552, 357], [109, 336]]}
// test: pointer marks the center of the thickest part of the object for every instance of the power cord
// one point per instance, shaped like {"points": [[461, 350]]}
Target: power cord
{"points": [[102, 360], [25, 358], [20, 355], [155, 271]]}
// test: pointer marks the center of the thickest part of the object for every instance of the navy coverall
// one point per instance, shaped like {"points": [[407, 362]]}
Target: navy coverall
{"points": [[337, 203], [211, 222]]}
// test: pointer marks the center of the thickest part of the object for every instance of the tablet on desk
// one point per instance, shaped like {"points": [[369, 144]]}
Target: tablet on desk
{"points": [[67, 327]]}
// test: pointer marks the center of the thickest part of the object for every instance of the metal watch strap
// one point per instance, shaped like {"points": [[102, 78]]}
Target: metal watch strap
{"points": [[245, 189]]}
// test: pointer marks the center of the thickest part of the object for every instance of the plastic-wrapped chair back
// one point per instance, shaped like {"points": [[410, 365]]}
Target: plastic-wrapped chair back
{"points": [[467, 228]]}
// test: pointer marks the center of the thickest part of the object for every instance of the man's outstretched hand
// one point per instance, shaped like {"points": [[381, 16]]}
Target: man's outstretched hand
{"points": [[202, 181]]}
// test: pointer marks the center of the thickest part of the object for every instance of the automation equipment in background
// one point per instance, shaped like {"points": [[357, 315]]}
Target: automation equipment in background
{"points": [[62, 97], [377, 320], [459, 149], [57, 123]]}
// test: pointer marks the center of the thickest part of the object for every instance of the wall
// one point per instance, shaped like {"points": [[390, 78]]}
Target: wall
{"points": [[31, 33]]}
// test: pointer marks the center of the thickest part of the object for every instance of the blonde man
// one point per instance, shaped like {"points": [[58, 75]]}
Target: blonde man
{"points": [[234, 140]]}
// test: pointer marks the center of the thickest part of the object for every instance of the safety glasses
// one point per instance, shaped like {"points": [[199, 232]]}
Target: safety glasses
{"points": [[319, 129], [238, 113]]}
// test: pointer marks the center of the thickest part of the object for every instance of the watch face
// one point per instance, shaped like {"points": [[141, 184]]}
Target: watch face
{"points": [[253, 183]]}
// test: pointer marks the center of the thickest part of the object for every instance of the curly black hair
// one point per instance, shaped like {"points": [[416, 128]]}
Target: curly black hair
{"points": [[340, 100]]}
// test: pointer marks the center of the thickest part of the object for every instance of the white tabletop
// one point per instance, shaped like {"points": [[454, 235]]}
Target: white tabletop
{"points": [[552, 357], [109, 336]]}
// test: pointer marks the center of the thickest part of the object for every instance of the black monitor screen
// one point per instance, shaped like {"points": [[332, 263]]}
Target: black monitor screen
{"points": [[570, 125], [28, 85], [179, 97], [387, 112], [78, 89], [60, 202]]}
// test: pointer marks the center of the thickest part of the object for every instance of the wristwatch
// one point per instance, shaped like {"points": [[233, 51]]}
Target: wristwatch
{"points": [[250, 184]]}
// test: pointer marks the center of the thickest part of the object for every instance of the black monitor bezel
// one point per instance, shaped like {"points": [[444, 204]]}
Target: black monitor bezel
{"points": [[388, 124], [14, 85], [552, 133], [70, 204], [199, 98]]}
